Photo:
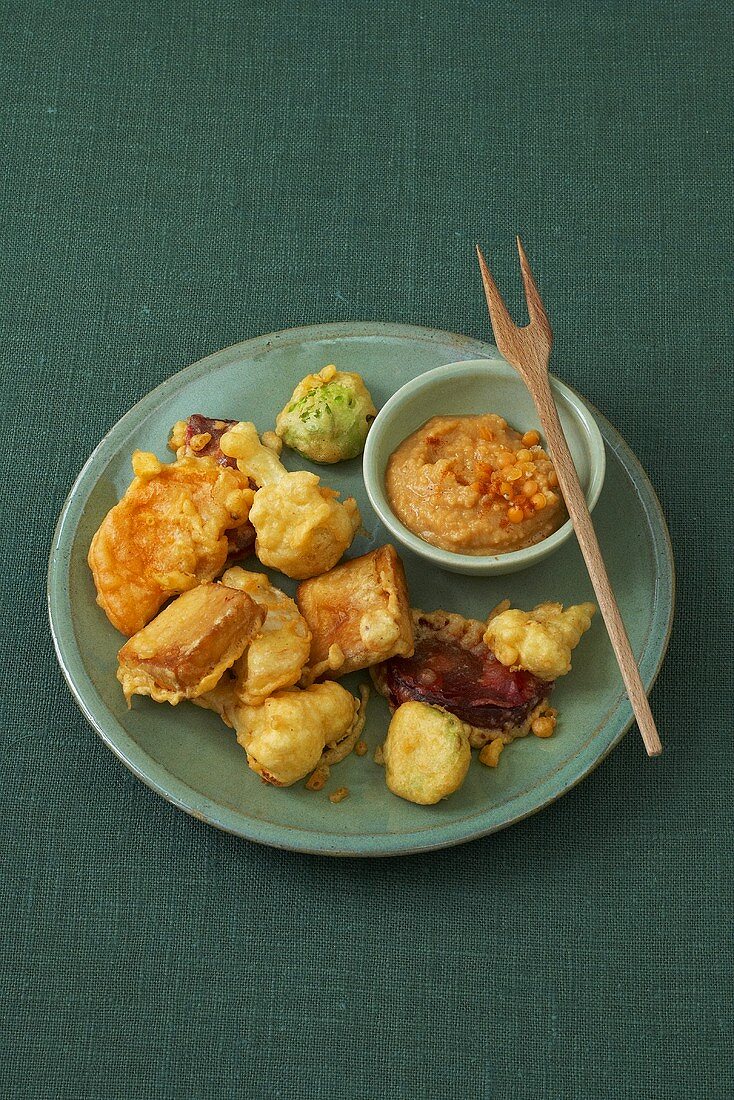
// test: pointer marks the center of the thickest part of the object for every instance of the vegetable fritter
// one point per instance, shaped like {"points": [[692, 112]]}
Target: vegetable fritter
{"points": [[328, 416], [166, 535], [540, 640], [426, 753], [185, 650], [301, 527]]}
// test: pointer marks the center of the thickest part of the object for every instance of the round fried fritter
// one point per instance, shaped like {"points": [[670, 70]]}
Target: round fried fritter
{"points": [[426, 753], [166, 535]]}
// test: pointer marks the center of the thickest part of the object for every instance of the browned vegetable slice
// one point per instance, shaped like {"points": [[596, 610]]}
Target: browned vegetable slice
{"points": [[358, 613], [185, 650]]}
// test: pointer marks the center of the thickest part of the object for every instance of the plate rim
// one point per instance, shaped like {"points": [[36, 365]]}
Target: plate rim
{"points": [[290, 838]]}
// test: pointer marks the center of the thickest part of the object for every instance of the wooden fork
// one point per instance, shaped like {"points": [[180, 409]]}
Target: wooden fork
{"points": [[528, 349]]}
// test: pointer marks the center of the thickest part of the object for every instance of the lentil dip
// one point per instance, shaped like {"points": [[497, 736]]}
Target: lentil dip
{"points": [[474, 485]]}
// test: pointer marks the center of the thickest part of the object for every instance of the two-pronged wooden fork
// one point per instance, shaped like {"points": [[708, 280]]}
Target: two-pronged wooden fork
{"points": [[528, 349]]}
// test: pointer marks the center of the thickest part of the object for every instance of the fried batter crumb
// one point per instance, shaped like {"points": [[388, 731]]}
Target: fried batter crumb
{"points": [[317, 779], [490, 754], [544, 723], [339, 795], [198, 442]]}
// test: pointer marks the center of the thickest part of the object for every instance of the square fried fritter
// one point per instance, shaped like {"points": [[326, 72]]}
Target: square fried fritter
{"points": [[361, 607], [185, 650]]}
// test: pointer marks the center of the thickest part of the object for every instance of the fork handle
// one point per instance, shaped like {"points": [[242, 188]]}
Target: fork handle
{"points": [[586, 535]]}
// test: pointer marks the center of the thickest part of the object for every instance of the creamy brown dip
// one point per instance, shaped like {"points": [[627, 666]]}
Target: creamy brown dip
{"points": [[474, 485]]}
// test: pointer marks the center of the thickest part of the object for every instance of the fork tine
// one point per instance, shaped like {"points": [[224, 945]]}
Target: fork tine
{"points": [[502, 323], [536, 309]]}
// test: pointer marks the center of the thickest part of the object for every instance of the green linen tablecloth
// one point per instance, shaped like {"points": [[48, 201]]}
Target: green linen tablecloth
{"points": [[179, 176]]}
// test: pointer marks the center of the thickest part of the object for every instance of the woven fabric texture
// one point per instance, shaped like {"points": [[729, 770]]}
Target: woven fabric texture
{"points": [[177, 176]]}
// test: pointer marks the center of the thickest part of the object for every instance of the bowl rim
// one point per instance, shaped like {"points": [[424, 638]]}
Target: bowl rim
{"points": [[475, 563]]}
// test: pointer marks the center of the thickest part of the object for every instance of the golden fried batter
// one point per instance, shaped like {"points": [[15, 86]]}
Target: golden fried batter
{"points": [[166, 535], [285, 736], [276, 657], [540, 640], [302, 529], [362, 608], [221, 699], [427, 753], [185, 650]]}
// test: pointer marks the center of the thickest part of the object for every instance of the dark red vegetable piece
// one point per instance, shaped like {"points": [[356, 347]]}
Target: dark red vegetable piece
{"points": [[472, 684], [198, 425], [241, 542]]}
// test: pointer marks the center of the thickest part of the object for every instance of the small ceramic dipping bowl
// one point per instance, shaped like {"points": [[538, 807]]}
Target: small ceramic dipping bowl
{"points": [[469, 388]]}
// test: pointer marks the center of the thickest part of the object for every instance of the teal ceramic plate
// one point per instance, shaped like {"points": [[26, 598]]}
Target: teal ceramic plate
{"points": [[189, 756]]}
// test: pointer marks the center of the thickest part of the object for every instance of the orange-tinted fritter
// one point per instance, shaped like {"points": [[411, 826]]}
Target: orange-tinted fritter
{"points": [[166, 535]]}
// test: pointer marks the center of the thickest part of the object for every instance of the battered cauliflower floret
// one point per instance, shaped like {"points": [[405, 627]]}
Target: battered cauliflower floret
{"points": [[302, 530], [301, 527], [426, 753], [540, 640], [275, 658], [328, 416], [254, 459], [285, 736]]}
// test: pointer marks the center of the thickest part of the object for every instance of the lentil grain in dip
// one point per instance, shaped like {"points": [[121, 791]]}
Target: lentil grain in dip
{"points": [[474, 485]]}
